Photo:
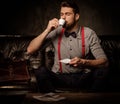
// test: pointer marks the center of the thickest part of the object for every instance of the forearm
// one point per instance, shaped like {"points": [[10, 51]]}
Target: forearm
{"points": [[102, 62], [94, 63], [36, 43]]}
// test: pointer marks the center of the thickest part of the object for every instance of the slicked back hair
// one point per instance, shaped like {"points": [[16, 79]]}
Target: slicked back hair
{"points": [[71, 4]]}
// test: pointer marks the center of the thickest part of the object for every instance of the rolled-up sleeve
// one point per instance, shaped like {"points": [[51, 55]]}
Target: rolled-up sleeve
{"points": [[95, 46]]}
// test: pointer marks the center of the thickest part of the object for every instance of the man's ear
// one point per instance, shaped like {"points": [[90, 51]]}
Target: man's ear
{"points": [[77, 16]]}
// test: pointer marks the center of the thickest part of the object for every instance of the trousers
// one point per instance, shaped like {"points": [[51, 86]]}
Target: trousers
{"points": [[49, 81]]}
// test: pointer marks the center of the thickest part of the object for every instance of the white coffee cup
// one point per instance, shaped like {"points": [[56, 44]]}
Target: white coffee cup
{"points": [[61, 22]]}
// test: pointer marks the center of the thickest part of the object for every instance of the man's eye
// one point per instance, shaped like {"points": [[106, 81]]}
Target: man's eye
{"points": [[61, 14], [68, 14]]}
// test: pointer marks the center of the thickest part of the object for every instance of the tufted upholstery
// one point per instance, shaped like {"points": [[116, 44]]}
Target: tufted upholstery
{"points": [[13, 65], [111, 46]]}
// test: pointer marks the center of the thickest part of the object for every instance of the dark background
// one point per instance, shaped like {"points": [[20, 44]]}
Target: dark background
{"points": [[30, 17]]}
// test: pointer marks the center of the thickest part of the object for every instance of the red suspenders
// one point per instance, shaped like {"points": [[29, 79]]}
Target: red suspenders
{"points": [[59, 55], [59, 43], [83, 42]]}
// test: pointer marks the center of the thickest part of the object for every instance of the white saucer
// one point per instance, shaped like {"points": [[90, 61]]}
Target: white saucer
{"points": [[66, 61]]}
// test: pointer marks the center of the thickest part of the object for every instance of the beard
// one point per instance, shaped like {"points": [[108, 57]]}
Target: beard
{"points": [[69, 26]]}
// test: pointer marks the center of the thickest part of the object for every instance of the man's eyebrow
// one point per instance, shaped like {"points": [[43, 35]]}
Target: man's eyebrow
{"points": [[66, 12]]}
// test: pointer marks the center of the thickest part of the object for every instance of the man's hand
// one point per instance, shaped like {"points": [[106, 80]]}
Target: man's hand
{"points": [[53, 24], [77, 62]]}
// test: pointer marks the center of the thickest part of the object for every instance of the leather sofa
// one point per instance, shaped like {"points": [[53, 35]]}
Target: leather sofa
{"points": [[15, 72], [111, 46], [13, 47]]}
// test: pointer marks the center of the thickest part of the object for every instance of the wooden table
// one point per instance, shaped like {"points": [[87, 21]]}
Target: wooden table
{"points": [[77, 98]]}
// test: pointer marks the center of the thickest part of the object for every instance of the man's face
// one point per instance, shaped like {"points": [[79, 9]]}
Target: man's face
{"points": [[69, 16]]}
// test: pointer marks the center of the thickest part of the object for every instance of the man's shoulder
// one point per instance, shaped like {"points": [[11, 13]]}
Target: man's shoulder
{"points": [[88, 31], [87, 28]]}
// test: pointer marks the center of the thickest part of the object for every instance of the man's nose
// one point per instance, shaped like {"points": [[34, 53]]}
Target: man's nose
{"points": [[63, 16]]}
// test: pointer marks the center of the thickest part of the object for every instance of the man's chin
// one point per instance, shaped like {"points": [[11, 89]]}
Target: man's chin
{"points": [[66, 26]]}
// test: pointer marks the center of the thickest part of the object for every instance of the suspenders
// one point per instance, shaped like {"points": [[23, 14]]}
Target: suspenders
{"points": [[83, 42], [59, 55], [59, 43]]}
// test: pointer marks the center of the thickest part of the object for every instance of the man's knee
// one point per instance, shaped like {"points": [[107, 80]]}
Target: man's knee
{"points": [[100, 73], [41, 72]]}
